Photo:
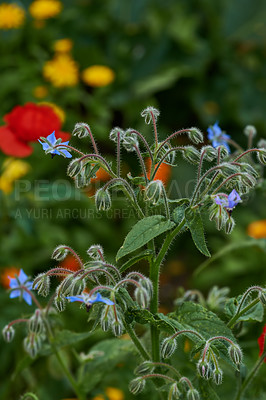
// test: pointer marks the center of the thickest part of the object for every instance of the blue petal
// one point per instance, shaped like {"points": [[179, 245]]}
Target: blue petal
{"points": [[14, 293], [27, 298], [75, 298], [45, 146], [29, 285], [66, 153], [13, 283], [51, 138], [101, 299], [22, 276]]}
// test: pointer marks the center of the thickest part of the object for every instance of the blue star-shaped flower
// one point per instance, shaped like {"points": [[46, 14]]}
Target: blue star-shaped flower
{"points": [[230, 201], [49, 143], [16, 283], [89, 300], [217, 136]]}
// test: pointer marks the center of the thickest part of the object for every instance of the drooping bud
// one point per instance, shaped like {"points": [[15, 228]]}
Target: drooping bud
{"points": [[149, 114], [248, 180], [137, 385], [32, 344], [245, 167], [228, 169], [193, 394], [144, 368], [191, 154], [77, 286], [115, 132], [209, 153], [195, 135], [35, 323], [229, 225], [59, 300], [106, 319], [81, 130], [262, 156], [174, 392], [220, 221], [223, 151], [117, 327], [60, 253], [262, 297], [8, 333], [64, 289], [130, 140], [170, 158], [74, 167], [250, 130], [235, 354], [146, 283], [102, 200], [95, 252], [217, 376], [142, 297], [153, 191], [168, 347], [42, 284], [204, 369]]}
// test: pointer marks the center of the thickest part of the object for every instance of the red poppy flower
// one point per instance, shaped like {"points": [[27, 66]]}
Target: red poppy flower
{"points": [[261, 342], [26, 124]]}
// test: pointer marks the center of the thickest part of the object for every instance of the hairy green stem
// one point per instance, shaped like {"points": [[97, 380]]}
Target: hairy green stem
{"points": [[141, 349]]}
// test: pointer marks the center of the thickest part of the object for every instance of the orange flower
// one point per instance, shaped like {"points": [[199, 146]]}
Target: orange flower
{"points": [[70, 262], [257, 229], [101, 175], [7, 273], [163, 174]]}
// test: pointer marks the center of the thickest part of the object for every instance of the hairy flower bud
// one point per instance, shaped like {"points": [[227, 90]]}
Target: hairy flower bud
{"points": [[193, 394], [59, 300], [235, 354], [60, 253], [65, 286], [142, 297], [146, 283], [248, 180], [195, 135], [102, 200], [115, 132], [204, 369], [106, 319], [220, 221], [209, 153], [217, 376], [245, 167], [137, 385], [262, 155], [81, 130], [229, 225], [95, 252], [144, 368], [223, 151], [42, 284], [130, 140], [8, 333], [153, 191], [74, 167], [170, 158], [174, 392], [32, 344], [228, 169], [250, 130], [77, 286], [117, 327], [149, 114], [35, 323], [191, 154], [168, 347]]}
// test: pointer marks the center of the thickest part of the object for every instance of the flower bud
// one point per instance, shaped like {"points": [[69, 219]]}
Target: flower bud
{"points": [[168, 347], [261, 154], [144, 368], [59, 301], [8, 333], [137, 385], [81, 180], [229, 225], [245, 167], [209, 153], [195, 135], [149, 114], [174, 392], [102, 200], [130, 140], [117, 327], [32, 344], [81, 130], [115, 132], [248, 180], [142, 297], [228, 169], [77, 286], [60, 253], [66, 285], [204, 368], [146, 283], [35, 323], [106, 319], [235, 354], [250, 130], [223, 151], [220, 221], [217, 376], [170, 158], [191, 154], [42, 284], [153, 191], [193, 394], [262, 297], [95, 252], [74, 167]]}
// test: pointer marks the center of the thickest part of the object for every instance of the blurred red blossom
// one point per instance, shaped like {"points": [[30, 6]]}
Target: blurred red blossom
{"points": [[26, 124], [261, 342]]}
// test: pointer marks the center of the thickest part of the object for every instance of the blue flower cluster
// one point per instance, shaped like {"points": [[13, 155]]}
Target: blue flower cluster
{"points": [[217, 136], [51, 145], [16, 284]]}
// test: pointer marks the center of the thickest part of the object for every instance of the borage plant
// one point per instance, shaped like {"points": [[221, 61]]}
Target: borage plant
{"points": [[105, 289]]}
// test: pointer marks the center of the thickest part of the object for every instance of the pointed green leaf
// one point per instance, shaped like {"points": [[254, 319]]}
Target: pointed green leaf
{"points": [[144, 231], [256, 313], [195, 225], [143, 255]]}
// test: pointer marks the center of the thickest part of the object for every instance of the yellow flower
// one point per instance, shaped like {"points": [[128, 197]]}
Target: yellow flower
{"points": [[98, 75], [13, 170], [58, 110], [11, 16], [40, 92], [257, 229], [63, 45], [61, 71], [114, 393], [44, 9]]}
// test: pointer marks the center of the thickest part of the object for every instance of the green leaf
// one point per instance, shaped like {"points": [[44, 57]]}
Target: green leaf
{"points": [[195, 225], [109, 353], [144, 231], [256, 313], [179, 212], [62, 339], [206, 390], [141, 256]]}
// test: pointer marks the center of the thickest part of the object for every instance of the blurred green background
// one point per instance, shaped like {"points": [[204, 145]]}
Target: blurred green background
{"points": [[197, 61]]}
